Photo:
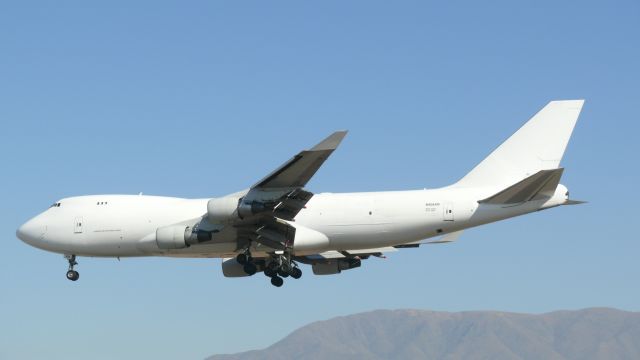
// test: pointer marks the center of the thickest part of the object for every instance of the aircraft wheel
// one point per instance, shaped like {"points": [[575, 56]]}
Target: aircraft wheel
{"points": [[296, 273], [241, 259], [73, 275], [286, 267], [270, 272], [250, 268], [283, 273], [277, 281]]}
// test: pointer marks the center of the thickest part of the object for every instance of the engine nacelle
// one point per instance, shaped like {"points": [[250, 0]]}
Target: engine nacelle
{"points": [[173, 237], [232, 268], [226, 209], [335, 266], [222, 210], [181, 236]]}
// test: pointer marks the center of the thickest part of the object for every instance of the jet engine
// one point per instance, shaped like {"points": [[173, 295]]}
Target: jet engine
{"points": [[226, 209], [180, 237], [335, 266], [232, 268]]}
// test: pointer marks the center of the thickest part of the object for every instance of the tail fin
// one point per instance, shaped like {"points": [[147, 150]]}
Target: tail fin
{"points": [[537, 145]]}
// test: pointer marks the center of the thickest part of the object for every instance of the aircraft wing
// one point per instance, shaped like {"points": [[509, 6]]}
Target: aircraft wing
{"points": [[296, 172], [282, 190], [280, 196], [364, 253]]}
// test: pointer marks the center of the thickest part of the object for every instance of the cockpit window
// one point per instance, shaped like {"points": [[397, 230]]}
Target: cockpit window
{"points": [[55, 205]]}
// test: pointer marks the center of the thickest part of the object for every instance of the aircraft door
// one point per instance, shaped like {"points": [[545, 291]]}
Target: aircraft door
{"points": [[448, 212], [77, 226]]}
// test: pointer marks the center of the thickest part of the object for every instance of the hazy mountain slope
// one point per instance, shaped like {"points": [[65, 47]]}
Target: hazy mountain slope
{"points": [[415, 334]]}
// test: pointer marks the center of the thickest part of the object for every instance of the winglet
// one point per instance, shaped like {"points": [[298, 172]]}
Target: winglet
{"points": [[331, 142]]}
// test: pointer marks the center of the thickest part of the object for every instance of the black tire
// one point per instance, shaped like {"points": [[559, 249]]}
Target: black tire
{"points": [[277, 281], [73, 275], [241, 259], [296, 273], [250, 268], [286, 267], [283, 273], [269, 272]]}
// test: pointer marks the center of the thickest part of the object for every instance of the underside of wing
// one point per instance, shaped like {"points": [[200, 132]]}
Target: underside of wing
{"points": [[378, 252], [334, 262], [290, 205], [264, 212]]}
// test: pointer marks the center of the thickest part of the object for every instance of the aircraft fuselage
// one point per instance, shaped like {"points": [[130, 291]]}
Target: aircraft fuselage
{"points": [[125, 225]]}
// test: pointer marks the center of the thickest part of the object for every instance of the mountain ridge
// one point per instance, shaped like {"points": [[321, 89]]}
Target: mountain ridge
{"points": [[592, 333]]}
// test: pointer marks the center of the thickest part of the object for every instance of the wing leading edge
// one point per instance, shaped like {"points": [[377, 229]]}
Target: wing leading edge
{"points": [[296, 172], [280, 196]]}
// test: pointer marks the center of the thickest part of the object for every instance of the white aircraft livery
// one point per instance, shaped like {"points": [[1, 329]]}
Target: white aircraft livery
{"points": [[276, 224]]}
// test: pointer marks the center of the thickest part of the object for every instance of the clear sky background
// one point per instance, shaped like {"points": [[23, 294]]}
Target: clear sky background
{"points": [[204, 98]]}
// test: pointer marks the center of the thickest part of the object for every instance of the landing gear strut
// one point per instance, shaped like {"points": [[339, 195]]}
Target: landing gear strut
{"points": [[72, 274], [244, 257], [281, 266], [246, 260]]}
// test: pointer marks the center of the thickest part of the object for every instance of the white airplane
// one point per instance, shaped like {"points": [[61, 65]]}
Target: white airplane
{"points": [[276, 224]]}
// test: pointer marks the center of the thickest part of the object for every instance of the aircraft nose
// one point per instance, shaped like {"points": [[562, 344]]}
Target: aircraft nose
{"points": [[31, 231]]}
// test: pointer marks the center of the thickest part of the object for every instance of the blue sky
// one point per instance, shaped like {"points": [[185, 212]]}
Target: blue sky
{"points": [[205, 98]]}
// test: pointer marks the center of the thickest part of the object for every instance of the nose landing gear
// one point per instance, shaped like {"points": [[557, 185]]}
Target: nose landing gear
{"points": [[72, 274]]}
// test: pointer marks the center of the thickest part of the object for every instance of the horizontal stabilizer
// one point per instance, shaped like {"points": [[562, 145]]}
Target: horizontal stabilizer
{"points": [[574, 202], [449, 238], [542, 183], [371, 251]]}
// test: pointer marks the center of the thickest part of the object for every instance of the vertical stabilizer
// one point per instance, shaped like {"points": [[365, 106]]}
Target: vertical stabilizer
{"points": [[537, 145]]}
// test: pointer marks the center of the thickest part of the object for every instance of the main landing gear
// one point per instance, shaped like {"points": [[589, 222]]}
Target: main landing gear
{"points": [[281, 266], [247, 263], [277, 267], [72, 274]]}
